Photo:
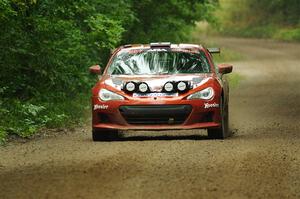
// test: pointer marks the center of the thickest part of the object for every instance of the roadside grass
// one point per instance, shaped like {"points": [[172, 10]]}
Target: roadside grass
{"points": [[3, 136], [234, 80], [27, 118], [266, 32], [288, 34], [227, 55]]}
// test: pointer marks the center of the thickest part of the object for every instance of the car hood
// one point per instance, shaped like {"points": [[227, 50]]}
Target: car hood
{"points": [[155, 82]]}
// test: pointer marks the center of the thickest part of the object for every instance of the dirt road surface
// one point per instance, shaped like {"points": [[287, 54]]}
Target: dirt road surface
{"points": [[261, 160]]}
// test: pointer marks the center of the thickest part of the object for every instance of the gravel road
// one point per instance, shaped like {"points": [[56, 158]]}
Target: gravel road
{"points": [[261, 160]]}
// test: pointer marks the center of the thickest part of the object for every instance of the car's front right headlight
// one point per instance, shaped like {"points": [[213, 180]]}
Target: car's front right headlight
{"points": [[205, 94], [106, 95]]}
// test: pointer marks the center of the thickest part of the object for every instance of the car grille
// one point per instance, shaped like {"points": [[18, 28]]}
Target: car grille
{"points": [[155, 114]]}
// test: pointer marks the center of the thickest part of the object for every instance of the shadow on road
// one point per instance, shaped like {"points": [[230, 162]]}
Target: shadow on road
{"points": [[171, 137], [164, 137], [126, 137]]}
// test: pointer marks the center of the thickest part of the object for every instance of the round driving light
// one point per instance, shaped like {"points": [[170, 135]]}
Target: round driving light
{"points": [[130, 86], [181, 86], [143, 87], [169, 87]]}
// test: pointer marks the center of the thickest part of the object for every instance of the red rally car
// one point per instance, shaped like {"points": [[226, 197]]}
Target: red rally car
{"points": [[160, 86]]}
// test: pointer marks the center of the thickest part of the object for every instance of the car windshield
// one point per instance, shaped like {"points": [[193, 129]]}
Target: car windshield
{"points": [[158, 61]]}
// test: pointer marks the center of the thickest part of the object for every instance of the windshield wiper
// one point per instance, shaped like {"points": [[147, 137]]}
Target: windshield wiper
{"points": [[164, 73]]}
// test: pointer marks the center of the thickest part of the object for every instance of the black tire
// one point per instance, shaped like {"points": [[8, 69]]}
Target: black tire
{"points": [[223, 131], [105, 135]]}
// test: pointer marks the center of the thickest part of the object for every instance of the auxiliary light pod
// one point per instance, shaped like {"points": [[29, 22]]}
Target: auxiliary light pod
{"points": [[180, 86], [169, 87], [143, 87], [132, 86]]}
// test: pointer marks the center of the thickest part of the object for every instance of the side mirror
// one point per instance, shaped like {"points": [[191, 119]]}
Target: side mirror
{"points": [[95, 69], [225, 68]]}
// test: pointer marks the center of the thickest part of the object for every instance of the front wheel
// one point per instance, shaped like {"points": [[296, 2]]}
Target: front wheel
{"points": [[223, 131], [105, 135]]}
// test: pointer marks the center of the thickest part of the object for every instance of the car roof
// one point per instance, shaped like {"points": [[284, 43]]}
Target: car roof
{"points": [[162, 45]]}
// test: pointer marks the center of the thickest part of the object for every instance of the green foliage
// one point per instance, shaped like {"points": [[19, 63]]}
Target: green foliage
{"points": [[278, 19], [288, 34], [234, 80], [25, 118], [46, 47], [285, 12], [169, 20]]}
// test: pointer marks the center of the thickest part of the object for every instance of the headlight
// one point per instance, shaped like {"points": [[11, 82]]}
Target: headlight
{"points": [[205, 94], [106, 95]]}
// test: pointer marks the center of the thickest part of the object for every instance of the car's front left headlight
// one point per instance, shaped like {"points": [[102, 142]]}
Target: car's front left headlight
{"points": [[205, 94], [106, 95]]}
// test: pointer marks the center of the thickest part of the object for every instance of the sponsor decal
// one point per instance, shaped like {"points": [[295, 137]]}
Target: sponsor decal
{"points": [[155, 94], [213, 105], [100, 106]]}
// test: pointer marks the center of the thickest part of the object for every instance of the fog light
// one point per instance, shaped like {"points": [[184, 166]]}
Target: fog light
{"points": [[182, 86], [130, 86], [143, 87], [169, 87]]}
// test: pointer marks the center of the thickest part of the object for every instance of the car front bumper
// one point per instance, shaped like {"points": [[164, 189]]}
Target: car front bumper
{"points": [[158, 114]]}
